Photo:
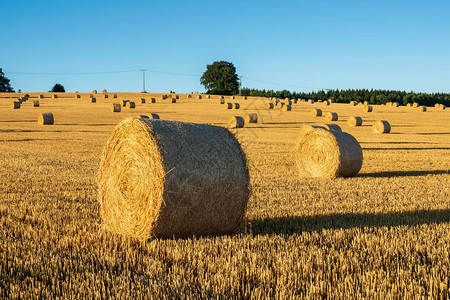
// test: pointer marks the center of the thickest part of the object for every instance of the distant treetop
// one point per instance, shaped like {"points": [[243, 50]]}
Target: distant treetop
{"points": [[5, 87]]}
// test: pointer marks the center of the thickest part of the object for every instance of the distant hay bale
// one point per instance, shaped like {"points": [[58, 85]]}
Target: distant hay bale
{"points": [[153, 100], [15, 105], [319, 101], [236, 106], [142, 100], [172, 179], [91, 96], [331, 116], [288, 102], [45, 119], [236, 122], [189, 96], [368, 108], [163, 97], [114, 96], [311, 101], [221, 97], [331, 100], [232, 97], [35, 103], [415, 104], [94, 92], [381, 127], [395, 104], [199, 96], [326, 102], [280, 104], [104, 92], [174, 100], [354, 121], [229, 105], [124, 103], [388, 103], [442, 106], [244, 97], [251, 118], [93, 100], [77, 96], [437, 105], [41, 96], [315, 112], [343, 156], [26, 96], [208, 96], [169, 92], [332, 127], [131, 104], [105, 96], [295, 101], [408, 104], [116, 107], [287, 108], [269, 105], [366, 103], [222, 101], [54, 96], [422, 108]]}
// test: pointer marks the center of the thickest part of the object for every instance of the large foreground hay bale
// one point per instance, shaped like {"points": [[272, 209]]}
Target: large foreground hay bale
{"points": [[381, 127], [368, 108], [35, 103], [331, 116], [287, 107], [315, 112], [354, 121], [236, 122], [15, 105], [328, 154], [131, 104], [269, 105], [236, 106], [332, 127], [116, 107], [303, 130], [251, 118], [172, 179], [46, 119]]}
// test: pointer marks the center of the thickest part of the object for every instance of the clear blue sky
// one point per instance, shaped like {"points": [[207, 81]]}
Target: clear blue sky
{"points": [[295, 45]]}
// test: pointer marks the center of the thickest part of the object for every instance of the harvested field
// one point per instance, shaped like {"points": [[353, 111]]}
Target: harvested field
{"points": [[382, 232]]}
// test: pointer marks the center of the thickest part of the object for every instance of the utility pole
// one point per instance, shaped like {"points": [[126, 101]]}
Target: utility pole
{"points": [[143, 81], [240, 84]]}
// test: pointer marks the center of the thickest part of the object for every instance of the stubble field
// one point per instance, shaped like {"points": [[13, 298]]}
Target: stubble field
{"points": [[382, 234]]}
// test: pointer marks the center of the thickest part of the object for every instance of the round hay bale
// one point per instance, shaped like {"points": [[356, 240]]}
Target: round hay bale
{"points": [[207, 96], [244, 97], [94, 92], [408, 104], [54, 96], [77, 96], [287, 108], [269, 105], [93, 100], [142, 100], [353, 103], [91, 96], [174, 100], [189, 96], [315, 112], [236, 106], [332, 127], [153, 116], [116, 107], [251, 118], [232, 97], [221, 101], [105, 96], [437, 105], [319, 101], [288, 102], [415, 104], [177, 97], [104, 92], [124, 103], [303, 130], [354, 121], [328, 154], [442, 106], [172, 179], [45, 119], [381, 127], [221, 97], [41, 96], [114, 96], [153, 100], [199, 96], [331, 116], [15, 105], [131, 104], [35, 103], [395, 104], [229, 105], [280, 104], [236, 122], [366, 103], [295, 101], [311, 101], [326, 102], [368, 108], [26, 96], [422, 108]]}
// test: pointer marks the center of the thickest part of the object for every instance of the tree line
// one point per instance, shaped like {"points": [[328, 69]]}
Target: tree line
{"points": [[360, 95]]}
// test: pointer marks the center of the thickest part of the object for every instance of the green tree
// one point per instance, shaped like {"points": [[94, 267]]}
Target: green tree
{"points": [[220, 78], [58, 88], [5, 87]]}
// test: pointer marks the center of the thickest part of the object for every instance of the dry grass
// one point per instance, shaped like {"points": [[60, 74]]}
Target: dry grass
{"points": [[381, 234]]}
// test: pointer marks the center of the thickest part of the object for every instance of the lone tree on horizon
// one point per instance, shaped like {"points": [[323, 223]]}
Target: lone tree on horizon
{"points": [[58, 88], [5, 87], [220, 78]]}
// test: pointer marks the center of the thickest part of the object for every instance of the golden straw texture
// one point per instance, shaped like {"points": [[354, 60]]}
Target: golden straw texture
{"points": [[172, 179], [116, 107], [315, 112], [35, 103], [328, 154], [331, 116], [236, 122], [45, 119], [332, 127], [15, 105], [251, 118], [354, 121], [381, 127], [269, 105]]}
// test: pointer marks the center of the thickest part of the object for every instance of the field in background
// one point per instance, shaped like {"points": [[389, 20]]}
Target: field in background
{"points": [[384, 233]]}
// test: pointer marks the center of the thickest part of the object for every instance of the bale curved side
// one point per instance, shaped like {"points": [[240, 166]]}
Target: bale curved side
{"points": [[333, 127], [116, 107], [315, 112], [354, 121], [165, 179], [251, 118], [46, 119], [381, 127], [236, 122], [331, 116]]}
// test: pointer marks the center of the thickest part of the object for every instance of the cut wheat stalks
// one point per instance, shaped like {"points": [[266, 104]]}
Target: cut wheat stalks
{"points": [[354, 121], [172, 179], [45, 119], [35, 103], [331, 116], [315, 112], [131, 104], [236, 122], [251, 118], [328, 154], [381, 127], [116, 107]]}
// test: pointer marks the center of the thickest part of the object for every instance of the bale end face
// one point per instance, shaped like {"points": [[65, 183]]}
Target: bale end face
{"points": [[331, 116], [354, 121], [116, 107], [131, 104], [45, 119], [148, 186], [236, 122], [269, 105], [287, 107], [15, 105], [368, 108], [381, 127], [315, 112], [251, 118]]}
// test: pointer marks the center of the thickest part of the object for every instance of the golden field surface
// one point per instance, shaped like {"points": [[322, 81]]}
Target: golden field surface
{"points": [[382, 234]]}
